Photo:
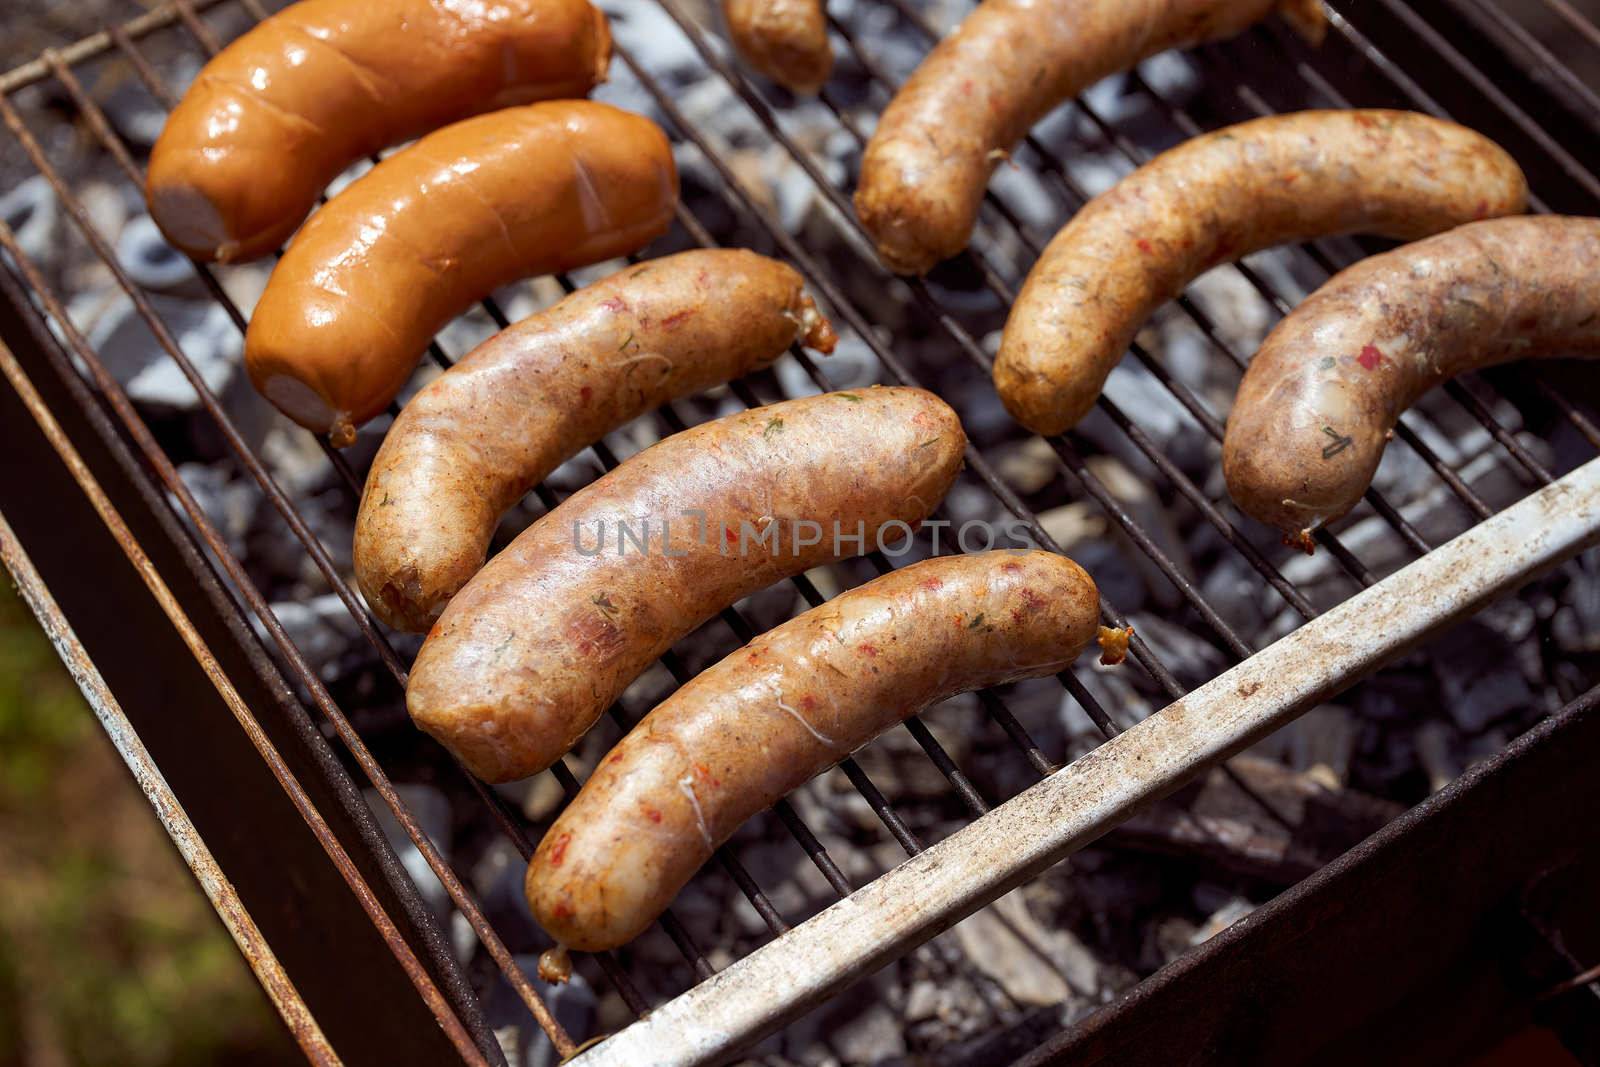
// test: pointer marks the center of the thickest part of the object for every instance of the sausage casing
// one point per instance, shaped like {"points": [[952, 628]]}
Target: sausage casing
{"points": [[1219, 197], [1316, 406], [389, 261], [276, 115], [791, 703], [979, 91], [482, 434], [787, 40], [532, 650]]}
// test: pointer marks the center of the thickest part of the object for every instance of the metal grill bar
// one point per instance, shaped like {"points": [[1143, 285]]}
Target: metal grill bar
{"points": [[1576, 20], [268, 751], [174, 483], [1070, 809], [213, 881], [253, 466]]}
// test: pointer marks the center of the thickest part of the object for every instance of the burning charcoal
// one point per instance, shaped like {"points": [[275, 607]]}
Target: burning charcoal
{"points": [[1192, 659], [1028, 466], [1221, 919], [573, 1003], [1116, 695], [431, 811], [321, 628], [149, 260], [1148, 403], [1478, 678], [1320, 743], [1033, 965], [1231, 586], [1576, 625], [33, 214], [205, 335], [227, 503], [1437, 750], [851, 366]]}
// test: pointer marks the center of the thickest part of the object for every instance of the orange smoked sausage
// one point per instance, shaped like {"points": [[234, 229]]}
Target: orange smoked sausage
{"points": [[374, 275], [281, 111]]}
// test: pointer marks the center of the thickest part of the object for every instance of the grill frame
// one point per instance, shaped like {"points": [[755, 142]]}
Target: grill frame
{"points": [[59, 66]]}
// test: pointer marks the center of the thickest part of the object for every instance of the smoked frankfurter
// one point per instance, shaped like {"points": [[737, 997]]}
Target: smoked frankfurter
{"points": [[1215, 199], [531, 650], [787, 40], [478, 437], [980, 90], [281, 111], [1317, 404], [783, 708], [376, 273]]}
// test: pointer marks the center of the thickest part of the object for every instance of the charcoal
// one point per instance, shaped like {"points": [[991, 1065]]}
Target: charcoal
{"points": [[431, 810], [32, 212], [1479, 679], [149, 260]]}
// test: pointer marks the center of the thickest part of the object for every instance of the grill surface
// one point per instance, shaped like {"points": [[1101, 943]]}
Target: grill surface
{"points": [[1540, 426]]}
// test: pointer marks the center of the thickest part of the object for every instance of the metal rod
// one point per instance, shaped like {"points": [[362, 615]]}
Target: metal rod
{"points": [[1078, 804], [191, 637], [213, 880], [96, 44]]}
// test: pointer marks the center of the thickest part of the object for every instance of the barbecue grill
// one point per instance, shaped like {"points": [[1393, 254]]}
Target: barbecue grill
{"points": [[256, 763]]}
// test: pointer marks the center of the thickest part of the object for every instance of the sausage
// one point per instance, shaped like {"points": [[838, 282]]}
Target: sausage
{"points": [[1220, 197], [787, 40], [791, 703], [388, 262], [978, 92], [478, 437], [531, 651], [282, 110], [1318, 402]]}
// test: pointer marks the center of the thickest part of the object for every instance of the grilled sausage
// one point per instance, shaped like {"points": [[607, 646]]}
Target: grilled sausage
{"points": [[1217, 198], [531, 651], [283, 109], [374, 275], [791, 703], [1329, 383], [787, 40], [975, 95], [477, 438]]}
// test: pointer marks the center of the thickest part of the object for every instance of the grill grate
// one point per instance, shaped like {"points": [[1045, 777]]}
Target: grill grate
{"points": [[1311, 87]]}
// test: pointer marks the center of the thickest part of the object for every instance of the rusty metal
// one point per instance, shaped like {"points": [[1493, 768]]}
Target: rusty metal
{"points": [[184, 14], [36, 70], [268, 752], [213, 881], [1438, 890], [1043, 825], [514, 974]]}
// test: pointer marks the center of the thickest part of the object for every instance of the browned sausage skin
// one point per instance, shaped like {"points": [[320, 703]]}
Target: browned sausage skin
{"points": [[478, 437], [281, 111], [375, 274], [787, 40], [1317, 404], [975, 95], [532, 650], [791, 703], [1219, 197]]}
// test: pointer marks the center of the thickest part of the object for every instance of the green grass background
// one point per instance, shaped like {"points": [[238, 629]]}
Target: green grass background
{"points": [[109, 952]]}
